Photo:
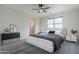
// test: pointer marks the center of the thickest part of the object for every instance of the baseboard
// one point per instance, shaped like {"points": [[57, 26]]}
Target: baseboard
{"points": [[70, 41]]}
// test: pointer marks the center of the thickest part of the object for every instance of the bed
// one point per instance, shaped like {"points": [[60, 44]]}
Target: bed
{"points": [[46, 41]]}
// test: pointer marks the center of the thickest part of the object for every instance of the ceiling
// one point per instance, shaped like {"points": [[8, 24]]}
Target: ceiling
{"points": [[55, 8]]}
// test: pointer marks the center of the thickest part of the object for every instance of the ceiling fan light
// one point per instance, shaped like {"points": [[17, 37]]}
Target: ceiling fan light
{"points": [[41, 10]]}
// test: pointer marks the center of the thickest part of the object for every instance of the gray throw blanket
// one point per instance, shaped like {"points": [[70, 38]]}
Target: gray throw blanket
{"points": [[56, 39]]}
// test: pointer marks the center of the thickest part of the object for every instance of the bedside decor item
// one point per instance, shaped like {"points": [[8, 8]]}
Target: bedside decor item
{"points": [[6, 30], [74, 31]]}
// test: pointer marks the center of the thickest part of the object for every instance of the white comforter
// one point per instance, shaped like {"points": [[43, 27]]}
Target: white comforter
{"points": [[41, 43]]}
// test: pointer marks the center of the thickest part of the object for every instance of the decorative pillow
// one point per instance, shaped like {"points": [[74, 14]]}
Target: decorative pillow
{"points": [[39, 32], [51, 32]]}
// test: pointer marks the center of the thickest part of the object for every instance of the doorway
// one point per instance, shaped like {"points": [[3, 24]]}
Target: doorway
{"points": [[32, 25]]}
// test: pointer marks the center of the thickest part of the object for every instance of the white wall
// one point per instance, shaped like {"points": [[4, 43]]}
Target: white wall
{"points": [[11, 16], [71, 20], [43, 24]]}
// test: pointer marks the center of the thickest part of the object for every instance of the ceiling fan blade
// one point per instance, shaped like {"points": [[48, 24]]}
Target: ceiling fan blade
{"points": [[44, 11], [47, 8], [38, 11], [41, 8], [35, 9]]}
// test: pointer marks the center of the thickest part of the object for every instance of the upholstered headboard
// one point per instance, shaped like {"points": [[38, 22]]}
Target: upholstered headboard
{"points": [[64, 32]]}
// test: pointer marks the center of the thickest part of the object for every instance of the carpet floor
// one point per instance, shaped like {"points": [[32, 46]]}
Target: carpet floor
{"points": [[21, 47]]}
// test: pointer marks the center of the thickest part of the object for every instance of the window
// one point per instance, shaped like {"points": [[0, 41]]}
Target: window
{"points": [[50, 23], [55, 23]]}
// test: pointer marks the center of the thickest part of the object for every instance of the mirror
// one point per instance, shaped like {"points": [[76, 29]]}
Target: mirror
{"points": [[13, 28]]}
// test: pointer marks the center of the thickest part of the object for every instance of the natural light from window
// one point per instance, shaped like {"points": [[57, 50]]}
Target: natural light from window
{"points": [[55, 23]]}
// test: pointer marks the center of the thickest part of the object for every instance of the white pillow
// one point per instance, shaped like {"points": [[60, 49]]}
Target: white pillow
{"points": [[58, 31]]}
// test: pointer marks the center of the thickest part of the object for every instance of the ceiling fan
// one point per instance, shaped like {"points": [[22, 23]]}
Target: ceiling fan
{"points": [[41, 8]]}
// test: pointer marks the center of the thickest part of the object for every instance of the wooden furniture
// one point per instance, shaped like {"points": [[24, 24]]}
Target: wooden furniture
{"points": [[6, 36]]}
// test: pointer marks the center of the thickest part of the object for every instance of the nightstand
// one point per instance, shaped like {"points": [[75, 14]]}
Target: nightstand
{"points": [[68, 37], [72, 38]]}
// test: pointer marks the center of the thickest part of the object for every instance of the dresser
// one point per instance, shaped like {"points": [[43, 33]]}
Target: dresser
{"points": [[7, 36]]}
